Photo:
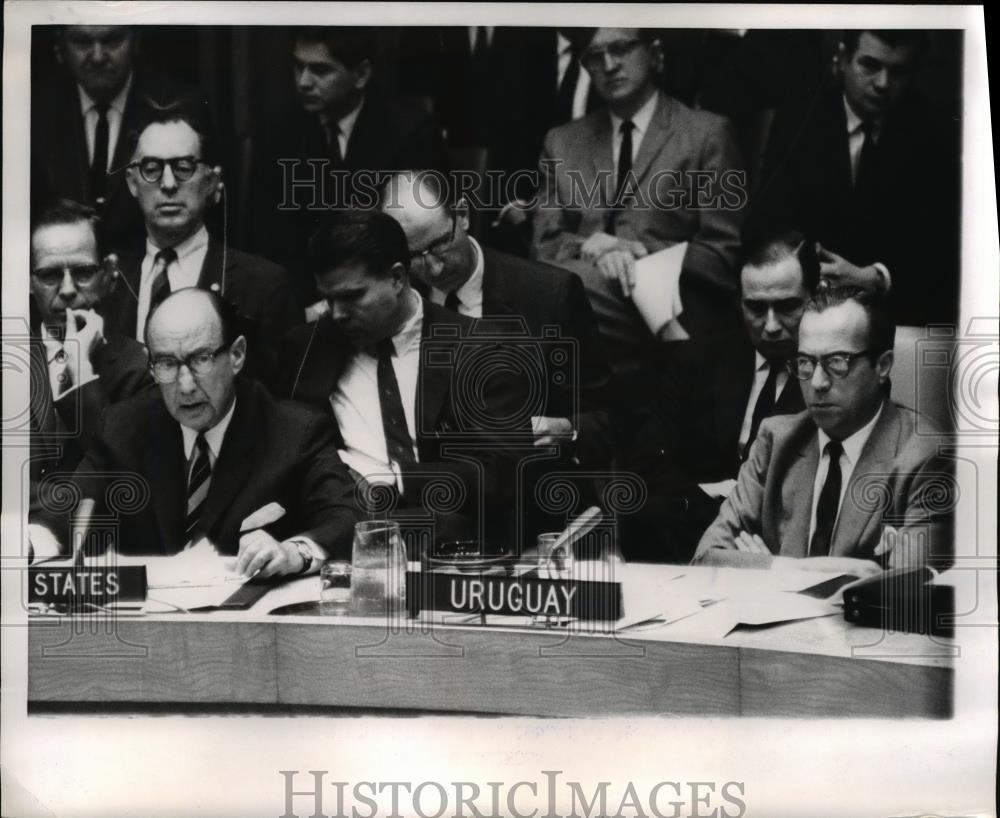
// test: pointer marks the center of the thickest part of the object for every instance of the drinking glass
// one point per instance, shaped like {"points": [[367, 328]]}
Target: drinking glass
{"points": [[335, 584], [554, 562], [378, 584]]}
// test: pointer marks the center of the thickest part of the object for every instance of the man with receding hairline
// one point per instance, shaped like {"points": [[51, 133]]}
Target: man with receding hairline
{"points": [[258, 478]]}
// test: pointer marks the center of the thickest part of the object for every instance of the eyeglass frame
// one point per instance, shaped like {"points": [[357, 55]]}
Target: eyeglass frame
{"points": [[419, 257], [209, 365], [824, 361], [594, 58], [96, 270], [163, 163]]}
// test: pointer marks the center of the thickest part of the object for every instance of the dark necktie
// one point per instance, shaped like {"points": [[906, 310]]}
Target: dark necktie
{"points": [[99, 167], [829, 503], [160, 287], [624, 169], [451, 301], [398, 442], [198, 482], [865, 181], [332, 132], [764, 407], [566, 91]]}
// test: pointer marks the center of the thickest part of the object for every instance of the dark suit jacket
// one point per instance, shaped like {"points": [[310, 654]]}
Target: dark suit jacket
{"points": [[690, 435], [62, 430], [272, 452], [913, 223], [261, 291], [60, 167], [899, 480], [547, 296], [388, 135], [680, 141], [314, 357]]}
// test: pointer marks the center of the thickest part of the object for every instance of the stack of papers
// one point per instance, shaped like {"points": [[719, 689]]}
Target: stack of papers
{"points": [[198, 577]]}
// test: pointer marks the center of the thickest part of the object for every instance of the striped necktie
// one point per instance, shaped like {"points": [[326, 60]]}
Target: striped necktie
{"points": [[199, 478], [160, 288]]}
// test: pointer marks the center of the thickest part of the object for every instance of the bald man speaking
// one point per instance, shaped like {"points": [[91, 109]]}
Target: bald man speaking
{"points": [[222, 459]]}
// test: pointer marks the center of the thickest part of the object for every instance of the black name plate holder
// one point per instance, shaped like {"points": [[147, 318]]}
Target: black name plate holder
{"points": [[73, 586]]}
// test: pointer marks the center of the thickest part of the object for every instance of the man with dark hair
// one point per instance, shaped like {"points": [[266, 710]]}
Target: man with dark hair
{"points": [[222, 460], [869, 170], [806, 488], [456, 272], [389, 366], [641, 175], [81, 120], [713, 396], [175, 180], [77, 368], [329, 155]]}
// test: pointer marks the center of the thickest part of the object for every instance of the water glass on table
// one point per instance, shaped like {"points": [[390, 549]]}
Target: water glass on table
{"points": [[335, 587]]}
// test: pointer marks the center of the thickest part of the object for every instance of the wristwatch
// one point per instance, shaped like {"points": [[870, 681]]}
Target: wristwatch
{"points": [[306, 553]]}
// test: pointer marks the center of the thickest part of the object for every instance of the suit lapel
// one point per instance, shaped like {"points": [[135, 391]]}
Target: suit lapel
{"points": [[796, 504], [43, 418], [165, 468], [602, 157], [433, 382], [656, 137], [324, 358], [496, 300], [857, 513], [232, 466], [214, 268]]}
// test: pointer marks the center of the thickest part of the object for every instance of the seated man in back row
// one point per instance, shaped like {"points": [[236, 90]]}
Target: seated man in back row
{"points": [[849, 483], [216, 456]]}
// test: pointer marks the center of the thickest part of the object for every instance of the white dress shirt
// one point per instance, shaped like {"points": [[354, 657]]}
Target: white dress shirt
{"points": [[116, 111], [641, 121], [759, 377], [853, 446], [357, 408], [470, 294], [345, 127], [184, 272], [565, 50], [473, 31]]}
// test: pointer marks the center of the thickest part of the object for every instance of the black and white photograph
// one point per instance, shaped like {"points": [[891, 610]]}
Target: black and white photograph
{"points": [[480, 409]]}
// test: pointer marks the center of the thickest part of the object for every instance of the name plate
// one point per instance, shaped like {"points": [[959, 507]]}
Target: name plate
{"points": [[526, 595], [100, 585]]}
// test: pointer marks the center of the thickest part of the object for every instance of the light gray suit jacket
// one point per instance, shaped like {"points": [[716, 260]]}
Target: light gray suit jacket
{"points": [[576, 175], [901, 479]]}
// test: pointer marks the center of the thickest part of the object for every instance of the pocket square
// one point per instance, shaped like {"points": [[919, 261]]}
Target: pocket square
{"points": [[265, 515]]}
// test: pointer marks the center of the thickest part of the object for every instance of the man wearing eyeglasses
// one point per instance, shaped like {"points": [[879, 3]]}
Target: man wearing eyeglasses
{"points": [[174, 178], [77, 369], [258, 478], [461, 275], [620, 184], [848, 484], [711, 400]]}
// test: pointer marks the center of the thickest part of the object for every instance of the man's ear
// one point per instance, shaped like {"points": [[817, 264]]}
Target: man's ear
{"points": [[238, 353], [131, 183], [398, 274], [462, 213], [362, 74], [883, 364]]}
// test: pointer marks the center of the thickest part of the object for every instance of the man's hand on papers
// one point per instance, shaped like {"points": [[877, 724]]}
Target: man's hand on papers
{"points": [[550, 431], [839, 272], [597, 245], [750, 543], [260, 552]]}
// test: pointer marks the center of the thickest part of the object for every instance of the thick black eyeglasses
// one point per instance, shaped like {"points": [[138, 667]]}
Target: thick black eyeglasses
{"points": [[82, 274], [836, 364], [182, 167], [436, 248], [199, 364], [593, 58]]}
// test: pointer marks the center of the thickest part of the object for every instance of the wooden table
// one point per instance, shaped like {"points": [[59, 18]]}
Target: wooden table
{"points": [[813, 668]]}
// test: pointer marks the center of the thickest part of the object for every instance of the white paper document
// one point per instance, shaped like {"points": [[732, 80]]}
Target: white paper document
{"points": [[657, 291]]}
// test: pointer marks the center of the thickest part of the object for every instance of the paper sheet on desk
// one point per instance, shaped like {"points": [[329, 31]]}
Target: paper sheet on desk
{"points": [[657, 291], [198, 577]]}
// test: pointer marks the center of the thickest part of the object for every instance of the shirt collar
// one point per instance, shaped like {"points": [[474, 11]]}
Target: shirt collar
{"points": [[192, 244], [563, 44], [856, 442], [641, 119], [213, 436], [854, 122], [345, 125], [410, 332], [470, 291], [117, 103]]}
